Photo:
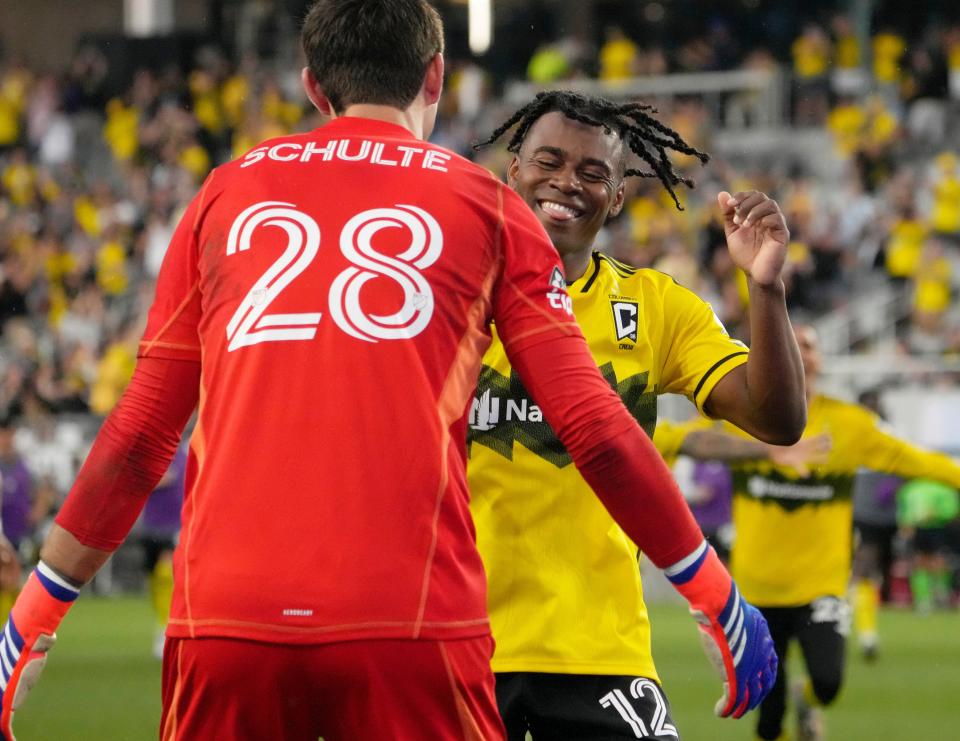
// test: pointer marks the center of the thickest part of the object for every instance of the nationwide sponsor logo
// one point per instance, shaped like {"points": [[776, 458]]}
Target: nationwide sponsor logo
{"points": [[772, 486], [503, 413], [625, 319], [557, 295], [761, 488], [485, 411]]}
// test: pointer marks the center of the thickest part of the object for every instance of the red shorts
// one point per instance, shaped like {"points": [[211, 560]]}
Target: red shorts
{"points": [[351, 691]]}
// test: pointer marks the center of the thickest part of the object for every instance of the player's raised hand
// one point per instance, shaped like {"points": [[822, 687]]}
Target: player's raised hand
{"points": [[29, 633], [757, 234], [810, 451], [734, 634]]}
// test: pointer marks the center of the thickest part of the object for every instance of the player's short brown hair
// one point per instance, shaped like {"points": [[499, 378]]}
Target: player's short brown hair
{"points": [[371, 51]]}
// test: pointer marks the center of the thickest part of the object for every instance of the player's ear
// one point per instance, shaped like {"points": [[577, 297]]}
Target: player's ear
{"points": [[618, 198], [513, 172], [433, 80], [315, 93]]}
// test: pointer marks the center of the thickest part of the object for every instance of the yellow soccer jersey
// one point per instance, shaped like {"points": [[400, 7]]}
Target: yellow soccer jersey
{"points": [[794, 534], [564, 587]]}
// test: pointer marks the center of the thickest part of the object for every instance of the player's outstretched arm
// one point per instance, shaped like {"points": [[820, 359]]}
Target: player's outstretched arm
{"points": [[712, 445], [735, 634], [131, 453], [765, 397]]}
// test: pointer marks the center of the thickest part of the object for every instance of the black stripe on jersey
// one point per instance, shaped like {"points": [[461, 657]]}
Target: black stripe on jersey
{"points": [[621, 269], [713, 367], [594, 274]]}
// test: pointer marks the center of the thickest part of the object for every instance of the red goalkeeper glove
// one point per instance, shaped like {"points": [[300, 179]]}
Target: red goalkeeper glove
{"points": [[28, 635], [735, 635]]}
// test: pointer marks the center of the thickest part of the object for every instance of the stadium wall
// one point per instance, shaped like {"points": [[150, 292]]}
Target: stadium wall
{"points": [[46, 32]]}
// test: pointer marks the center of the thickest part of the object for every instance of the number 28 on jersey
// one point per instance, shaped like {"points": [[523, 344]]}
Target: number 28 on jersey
{"points": [[252, 323]]}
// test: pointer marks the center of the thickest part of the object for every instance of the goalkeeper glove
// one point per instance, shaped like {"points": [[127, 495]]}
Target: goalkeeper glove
{"points": [[29, 633], [734, 633]]}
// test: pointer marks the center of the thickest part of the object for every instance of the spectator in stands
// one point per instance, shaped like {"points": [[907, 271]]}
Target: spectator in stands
{"points": [[619, 56], [159, 531], [811, 60], [945, 194], [888, 50], [847, 76]]}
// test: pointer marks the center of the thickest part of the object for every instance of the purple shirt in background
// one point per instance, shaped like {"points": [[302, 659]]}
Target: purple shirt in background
{"points": [[161, 514], [17, 485], [714, 477]]}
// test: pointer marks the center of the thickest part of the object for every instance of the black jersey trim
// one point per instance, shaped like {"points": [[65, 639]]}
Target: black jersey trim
{"points": [[593, 276], [713, 368], [620, 267]]}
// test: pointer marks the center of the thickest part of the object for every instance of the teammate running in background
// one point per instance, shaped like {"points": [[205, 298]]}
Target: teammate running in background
{"points": [[704, 440], [573, 639], [159, 530], [875, 527], [713, 450], [23, 508], [326, 299], [791, 554]]}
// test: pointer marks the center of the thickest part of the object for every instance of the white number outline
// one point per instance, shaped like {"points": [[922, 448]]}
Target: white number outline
{"points": [[658, 723], [426, 244], [249, 325], [619, 701]]}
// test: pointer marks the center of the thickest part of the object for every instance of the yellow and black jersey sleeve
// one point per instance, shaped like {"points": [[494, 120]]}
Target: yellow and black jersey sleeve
{"points": [[700, 352]]}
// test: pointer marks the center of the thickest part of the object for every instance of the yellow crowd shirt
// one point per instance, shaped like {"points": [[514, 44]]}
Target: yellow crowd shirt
{"points": [[905, 246], [564, 585], [811, 56], [888, 48], [945, 215], [847, 52], [794, 534]]}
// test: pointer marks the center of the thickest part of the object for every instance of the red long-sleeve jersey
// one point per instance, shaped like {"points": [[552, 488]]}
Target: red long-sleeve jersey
{"points": [[332, 291]]}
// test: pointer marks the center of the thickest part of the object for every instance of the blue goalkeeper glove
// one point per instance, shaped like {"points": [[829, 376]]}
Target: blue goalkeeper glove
{"points": [[29, 633], [735, 635]]}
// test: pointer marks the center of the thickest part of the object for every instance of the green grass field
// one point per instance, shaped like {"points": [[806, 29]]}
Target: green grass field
{"points": [[102, 683]]}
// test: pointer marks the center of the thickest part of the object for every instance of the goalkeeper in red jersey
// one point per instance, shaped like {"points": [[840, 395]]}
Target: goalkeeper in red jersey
{"points": [[324, 302]]}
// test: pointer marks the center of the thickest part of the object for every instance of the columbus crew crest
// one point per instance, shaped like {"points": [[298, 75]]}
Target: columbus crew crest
{"points": [[625, 319]]}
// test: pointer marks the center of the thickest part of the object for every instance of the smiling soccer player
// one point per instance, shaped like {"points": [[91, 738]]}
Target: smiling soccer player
{"points": [[573, 652]]}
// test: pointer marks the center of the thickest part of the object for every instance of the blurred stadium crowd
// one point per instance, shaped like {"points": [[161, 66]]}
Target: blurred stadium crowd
{"points": [[93, 181]]}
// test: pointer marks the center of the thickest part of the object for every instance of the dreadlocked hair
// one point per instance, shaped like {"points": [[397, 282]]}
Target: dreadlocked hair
{"points": [[646, 136]]}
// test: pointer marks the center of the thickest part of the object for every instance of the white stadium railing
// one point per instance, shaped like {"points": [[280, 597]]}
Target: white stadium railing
{"points": [[763, 92]]}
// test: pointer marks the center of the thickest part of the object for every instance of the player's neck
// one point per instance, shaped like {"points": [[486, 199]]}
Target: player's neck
{"points": [[410, 118], [575, 264]]}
